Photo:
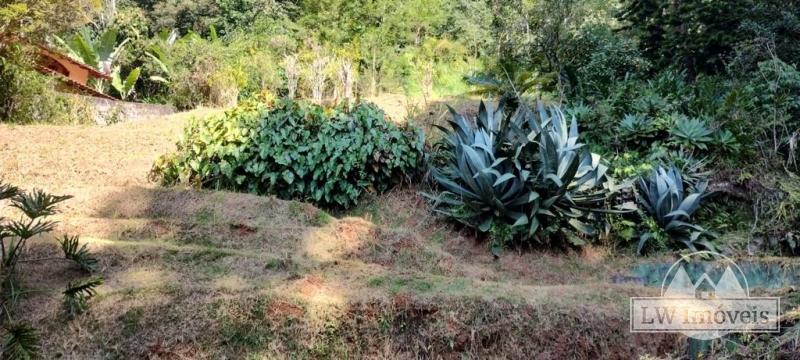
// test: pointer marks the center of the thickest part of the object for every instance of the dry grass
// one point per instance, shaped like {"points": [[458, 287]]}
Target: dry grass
{"points": [[56, 157], [210, 274]]}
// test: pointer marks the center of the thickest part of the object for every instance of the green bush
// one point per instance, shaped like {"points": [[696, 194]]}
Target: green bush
{"points": [[526, 172], [296, 150], [598, 57]]}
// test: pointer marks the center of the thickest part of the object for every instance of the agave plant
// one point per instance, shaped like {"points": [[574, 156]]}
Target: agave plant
{"points": [[726, 141], [664, 197], [479, 186], [525, 170], [571, 181], [637, 126]]}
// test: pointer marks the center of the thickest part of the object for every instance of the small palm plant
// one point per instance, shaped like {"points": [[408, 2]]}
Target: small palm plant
{"points": [[20, 341], [511, 86], [663, 196]]}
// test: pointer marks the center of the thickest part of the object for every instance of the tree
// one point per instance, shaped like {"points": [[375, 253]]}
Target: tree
{"points": [[471, 22], [35, 19], [698, 35]]}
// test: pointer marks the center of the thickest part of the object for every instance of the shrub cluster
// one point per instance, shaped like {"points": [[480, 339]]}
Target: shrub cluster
{"points": [[296, 150]]}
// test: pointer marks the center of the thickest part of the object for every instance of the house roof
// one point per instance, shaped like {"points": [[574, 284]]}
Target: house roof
{"points": [[74, 84], [53, 54]]}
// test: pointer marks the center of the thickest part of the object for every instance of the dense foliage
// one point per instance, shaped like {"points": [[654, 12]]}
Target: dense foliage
{"points": [[710, 88], [701, 36], [523, 174], [296, 150]]}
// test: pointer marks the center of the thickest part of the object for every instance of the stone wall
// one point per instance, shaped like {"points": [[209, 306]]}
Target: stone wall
{"points": [[107, 111]]}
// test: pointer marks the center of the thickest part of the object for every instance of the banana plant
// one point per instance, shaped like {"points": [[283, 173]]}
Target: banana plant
{"points": [[100, 52], [663, 196], [158, 54], [125, 88]]}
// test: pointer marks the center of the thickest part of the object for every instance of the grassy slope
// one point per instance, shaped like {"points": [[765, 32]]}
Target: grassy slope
{"points": [[212, 274]]}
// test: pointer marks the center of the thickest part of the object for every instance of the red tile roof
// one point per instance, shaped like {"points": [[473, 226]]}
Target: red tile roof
{"points": [[72, 83], [92, 71]]}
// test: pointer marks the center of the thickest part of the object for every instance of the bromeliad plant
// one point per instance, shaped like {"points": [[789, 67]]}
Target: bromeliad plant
{"points": [[525, 171], [691, 133], [663, 196], [35, 207]]}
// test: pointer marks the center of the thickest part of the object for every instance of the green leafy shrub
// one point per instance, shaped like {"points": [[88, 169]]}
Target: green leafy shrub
{"points": [[599, 56], [663, 197], [776, 91], [776, 208], [296, 150], [525, 171], [211, 151]]}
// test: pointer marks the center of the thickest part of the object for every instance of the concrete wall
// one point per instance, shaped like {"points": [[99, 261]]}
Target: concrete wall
{"points": [[107, 111]]}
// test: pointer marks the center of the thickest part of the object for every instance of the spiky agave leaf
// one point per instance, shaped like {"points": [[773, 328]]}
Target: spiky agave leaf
{"points": [[571, 180], [483, 186], [664, 197], [478, 186]]}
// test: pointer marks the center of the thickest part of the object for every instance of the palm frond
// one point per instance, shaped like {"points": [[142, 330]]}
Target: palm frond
{"points": [[21, 342], [77, 295], [79, 254]]}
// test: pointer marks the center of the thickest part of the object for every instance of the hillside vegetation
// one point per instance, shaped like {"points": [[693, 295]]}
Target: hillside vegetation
{"points": [[392, 179]]}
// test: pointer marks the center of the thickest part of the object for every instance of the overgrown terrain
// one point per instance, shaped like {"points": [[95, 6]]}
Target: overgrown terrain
{"points": [[382, 178], [204, 274]]}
